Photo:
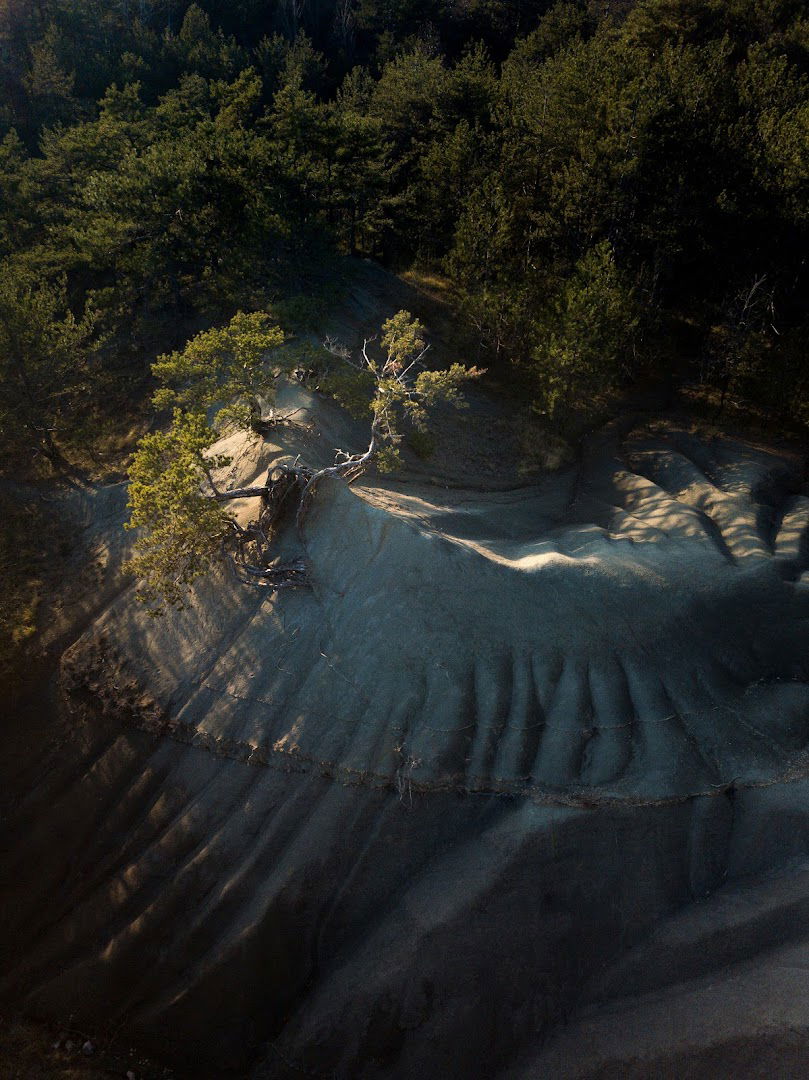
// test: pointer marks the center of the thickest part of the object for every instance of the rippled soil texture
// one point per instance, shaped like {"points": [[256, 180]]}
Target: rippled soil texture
{"points": [[519, 788]]}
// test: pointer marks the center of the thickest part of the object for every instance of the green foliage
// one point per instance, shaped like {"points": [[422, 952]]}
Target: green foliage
{"points": [[171, 491], [173, 498], [200, 49], [403, 341], [233, 366], [167, 163], [13, 196], [434, 118], [388, 459], [590, 339], [180, 214], [301, 311], [48, 85], [351, 388], [401, 395], [422, 443], [183, 527], [361, 171], [45, 355], [389, 382]]}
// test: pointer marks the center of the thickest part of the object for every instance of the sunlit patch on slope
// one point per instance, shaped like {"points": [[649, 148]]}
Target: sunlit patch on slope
{"points": [[633, 627]]}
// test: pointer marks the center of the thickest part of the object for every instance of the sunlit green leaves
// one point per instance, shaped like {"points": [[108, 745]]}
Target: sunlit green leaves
{"points": [[171, 489], [225, 366], [182, 526], [401, 390], [402, 339]]}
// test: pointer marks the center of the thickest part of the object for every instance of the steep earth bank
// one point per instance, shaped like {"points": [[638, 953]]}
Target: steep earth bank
{"points": [[518, 787]]}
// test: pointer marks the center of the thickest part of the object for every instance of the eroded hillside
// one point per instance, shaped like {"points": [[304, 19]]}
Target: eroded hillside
{"points": [[413, 817]]}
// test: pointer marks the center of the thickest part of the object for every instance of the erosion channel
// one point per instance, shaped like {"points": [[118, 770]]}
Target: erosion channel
{"points": [[519, 787]]}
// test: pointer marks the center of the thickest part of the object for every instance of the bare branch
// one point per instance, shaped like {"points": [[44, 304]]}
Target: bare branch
{"points": [[240, 493]]}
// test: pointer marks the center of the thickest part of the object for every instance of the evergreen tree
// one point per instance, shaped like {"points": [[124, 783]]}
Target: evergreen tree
{"points": [[45, 376]]}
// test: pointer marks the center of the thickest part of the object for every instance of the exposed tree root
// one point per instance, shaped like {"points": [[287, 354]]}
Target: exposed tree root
{"points": [[250, 550]]}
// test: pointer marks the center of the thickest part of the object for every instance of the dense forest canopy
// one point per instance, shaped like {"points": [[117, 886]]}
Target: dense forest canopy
{"points": [[611, 190]]}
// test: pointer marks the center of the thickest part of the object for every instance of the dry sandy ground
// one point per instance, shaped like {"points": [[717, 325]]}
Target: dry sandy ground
{"points": [[518, 787]]}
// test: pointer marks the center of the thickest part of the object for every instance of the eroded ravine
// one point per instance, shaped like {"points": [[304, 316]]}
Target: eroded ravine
{"points": [[407, 822]]}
